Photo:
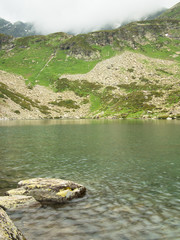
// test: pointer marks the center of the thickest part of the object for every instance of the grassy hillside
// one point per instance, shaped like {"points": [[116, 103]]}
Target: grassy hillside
{"points": [[42, 59], [129, 92], [173, 13], [129, 85]]}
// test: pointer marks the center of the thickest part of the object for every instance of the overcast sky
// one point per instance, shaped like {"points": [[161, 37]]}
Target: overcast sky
{"points": [[78, 15]]}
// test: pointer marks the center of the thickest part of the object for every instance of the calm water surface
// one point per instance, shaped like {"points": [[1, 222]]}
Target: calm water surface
{"points": [[131, 169]]}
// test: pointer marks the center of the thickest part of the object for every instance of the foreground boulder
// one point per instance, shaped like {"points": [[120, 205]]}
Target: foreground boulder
{"points": [[8, 231], [49, 190], [18, 201]]}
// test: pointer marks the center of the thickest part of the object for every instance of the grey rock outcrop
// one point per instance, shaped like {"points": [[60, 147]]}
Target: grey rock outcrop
{"points": [[49, 190], [31, 193], [8, 231], [18, 201]]}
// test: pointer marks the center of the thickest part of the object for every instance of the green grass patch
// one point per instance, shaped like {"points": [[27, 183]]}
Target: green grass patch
{"points": [[163, 48], [133, 87], [95, 103], [80, 88], [17, 112], [105, 51], [66, 103], [163, 71], [130, 70], [131, 104], [173, 97], [85, 101]]}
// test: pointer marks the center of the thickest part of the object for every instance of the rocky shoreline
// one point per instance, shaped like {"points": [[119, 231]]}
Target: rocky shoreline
{"points": [[97, 117], [35, 192]]}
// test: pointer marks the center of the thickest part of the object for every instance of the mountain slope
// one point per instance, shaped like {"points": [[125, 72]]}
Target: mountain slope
{"points": [[155, 15], [130, 72], [41, 59], [172, 13], [129, 85], [135, 36], [19, 101]]}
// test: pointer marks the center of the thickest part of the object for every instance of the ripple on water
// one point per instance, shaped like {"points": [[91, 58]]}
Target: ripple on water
{"points": [[130, 169], [105, 216]]}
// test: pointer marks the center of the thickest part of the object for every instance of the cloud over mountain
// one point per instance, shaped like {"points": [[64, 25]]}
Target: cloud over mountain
{"points": [[78, 16]]}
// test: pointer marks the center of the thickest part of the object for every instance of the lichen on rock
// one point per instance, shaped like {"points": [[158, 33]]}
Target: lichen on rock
{"points": [[18, 201], [49, 190], [8, 231]]}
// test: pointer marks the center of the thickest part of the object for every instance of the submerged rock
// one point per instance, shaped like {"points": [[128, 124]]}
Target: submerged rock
{"points": [[8, 231], [18, 201], [49, 190]]}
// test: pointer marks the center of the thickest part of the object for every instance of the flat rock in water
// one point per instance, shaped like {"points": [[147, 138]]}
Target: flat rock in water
{"points": [[49, 190], [8, 230], [18, 201]]}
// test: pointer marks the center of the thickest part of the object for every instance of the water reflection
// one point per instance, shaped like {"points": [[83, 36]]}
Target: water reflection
{"points": [[50, 122], [84, 121]]}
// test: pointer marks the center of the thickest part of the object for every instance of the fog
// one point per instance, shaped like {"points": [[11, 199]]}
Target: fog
{"points": [[79, 16]]}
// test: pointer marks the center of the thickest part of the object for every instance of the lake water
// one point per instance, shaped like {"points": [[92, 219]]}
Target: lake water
{"points": [[131, 169]]}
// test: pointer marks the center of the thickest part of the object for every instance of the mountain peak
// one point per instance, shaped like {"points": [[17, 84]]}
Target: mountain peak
{"points": [[18, 29]]}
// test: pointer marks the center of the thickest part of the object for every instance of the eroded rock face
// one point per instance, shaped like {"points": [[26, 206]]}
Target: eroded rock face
{"points": [[18, 201], [8, 231], [49, 190]]}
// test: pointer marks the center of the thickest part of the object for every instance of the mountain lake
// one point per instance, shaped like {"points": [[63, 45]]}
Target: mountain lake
{"points": [[131, 169]]}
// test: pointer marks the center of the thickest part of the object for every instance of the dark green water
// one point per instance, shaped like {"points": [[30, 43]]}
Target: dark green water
{"points": [[131, 169]]}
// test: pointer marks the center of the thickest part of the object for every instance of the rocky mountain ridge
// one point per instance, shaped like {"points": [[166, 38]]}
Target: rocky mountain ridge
{"points": [[134, 35]]}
